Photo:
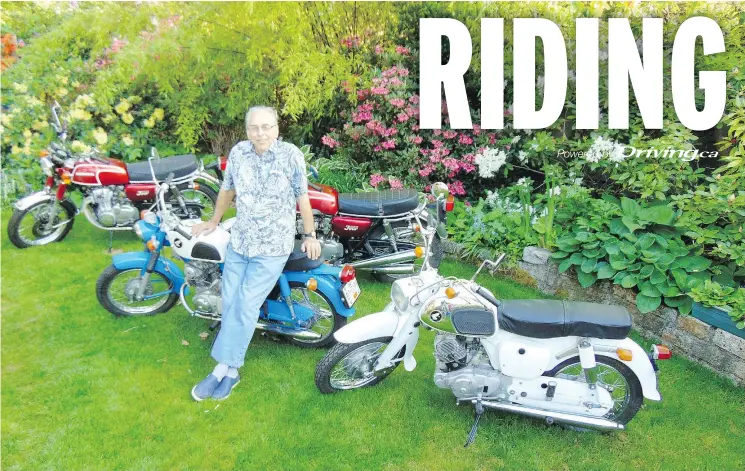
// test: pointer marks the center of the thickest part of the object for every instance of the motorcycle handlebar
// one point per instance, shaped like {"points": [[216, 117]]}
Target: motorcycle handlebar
{"points": [[184, 233]]}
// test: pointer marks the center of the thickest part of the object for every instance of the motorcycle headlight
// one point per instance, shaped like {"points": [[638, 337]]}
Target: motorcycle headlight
{"points": [[138, 229], [399, 298]]}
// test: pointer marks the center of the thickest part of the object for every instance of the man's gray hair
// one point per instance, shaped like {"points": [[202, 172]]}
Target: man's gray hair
{"points": [[261, 108]]}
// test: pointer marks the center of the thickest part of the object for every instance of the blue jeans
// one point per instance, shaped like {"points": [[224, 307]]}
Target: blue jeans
{"points": [[246, 282]]}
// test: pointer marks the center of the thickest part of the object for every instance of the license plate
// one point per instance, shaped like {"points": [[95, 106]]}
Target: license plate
{"points": [[351, 292]]}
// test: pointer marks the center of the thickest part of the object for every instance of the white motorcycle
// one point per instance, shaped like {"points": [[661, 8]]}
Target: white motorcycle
{"points": [[560, 361]]}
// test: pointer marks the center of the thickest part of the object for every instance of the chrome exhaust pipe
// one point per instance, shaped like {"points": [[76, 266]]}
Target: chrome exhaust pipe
{"points": [[398, 257], [550, 417], [393, 269], [301, 334]]}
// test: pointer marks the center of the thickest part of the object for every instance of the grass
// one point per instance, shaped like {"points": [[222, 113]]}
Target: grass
{"points": [[82, 390]]}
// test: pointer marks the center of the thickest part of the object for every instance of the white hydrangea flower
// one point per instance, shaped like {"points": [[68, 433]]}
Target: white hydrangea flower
{"points": [[515, 139], [490, 161], [556, 191], [522, 156]]}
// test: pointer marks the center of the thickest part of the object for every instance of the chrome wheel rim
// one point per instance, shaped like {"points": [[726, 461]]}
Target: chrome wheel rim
{"points": [[199, 197], [356, 368], [323, 320], [608, 378], [122, 288], [32, 226]]}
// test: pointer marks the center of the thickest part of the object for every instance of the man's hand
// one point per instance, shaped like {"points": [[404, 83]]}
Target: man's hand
{"points": [[312, 248], [205, 228]]}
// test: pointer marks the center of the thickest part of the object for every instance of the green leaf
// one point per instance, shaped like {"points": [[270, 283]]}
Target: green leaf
{"points": [[628, 249], [586, 279], [686, 307], [564, 265], [663, 215], [630, 223], [676, 301], [629, 206], [646, 241], [619, 264], [646, 271], [696, 263], [582, 236], [588, 266], [613, 249], [617, 227], [648, 289], [605, 271], [559, 255], [629, 281], [591, 253], [658, 277], [672, 291], [680, 277], [576, 259], [647, 303]]}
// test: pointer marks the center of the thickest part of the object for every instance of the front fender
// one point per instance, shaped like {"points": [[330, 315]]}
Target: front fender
{"points": [[640, 365], [380, 324], [328, 284], [164, 266], [32, 199]]}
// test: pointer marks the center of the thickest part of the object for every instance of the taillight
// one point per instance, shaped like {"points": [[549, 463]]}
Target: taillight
{"points": [[450, 203], [661, 352], [223, 162], [347, 274]]}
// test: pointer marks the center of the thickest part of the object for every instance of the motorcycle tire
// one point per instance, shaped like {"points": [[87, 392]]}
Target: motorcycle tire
{"points": [[338, 320], [14, 225], [633, 397], [205, 189], [103, 293], [438, 251], [339, 352]]}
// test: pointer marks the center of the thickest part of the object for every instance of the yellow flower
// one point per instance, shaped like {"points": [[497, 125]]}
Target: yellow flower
{"points": [[77, 146], [75, 84], [123, 107], [6, 139], [158, 114], [100, 136], [5, 119], [39, 125], [127, 140], [107, 119], [20, 88], [134, 99], [148, 123], [33, 101], [80, 115], [128, 118], [62, 79], [61, 92], [27, 134], [15, 150]]}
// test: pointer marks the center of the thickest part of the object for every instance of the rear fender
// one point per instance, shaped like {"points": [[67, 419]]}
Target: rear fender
{"points": [[329, 285], [639, 364]]}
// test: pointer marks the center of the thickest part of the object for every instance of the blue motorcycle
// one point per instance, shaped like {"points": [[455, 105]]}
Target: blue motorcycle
{"points": [[310, 302]]}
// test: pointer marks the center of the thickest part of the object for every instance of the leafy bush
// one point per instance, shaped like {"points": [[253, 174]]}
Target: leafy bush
{"points": [[727, 298]]}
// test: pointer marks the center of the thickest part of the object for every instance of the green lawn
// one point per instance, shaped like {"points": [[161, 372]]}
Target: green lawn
{"points": [[82, 390]]}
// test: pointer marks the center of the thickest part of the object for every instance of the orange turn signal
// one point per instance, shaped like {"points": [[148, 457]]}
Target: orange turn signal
{"points": [[66, 177], [44, 153], [196, 186], [624, 354], [152, 245], [419, 252], [450, 292], [311, 284], [417, 228]]}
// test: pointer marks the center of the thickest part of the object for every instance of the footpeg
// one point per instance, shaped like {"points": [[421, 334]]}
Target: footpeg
{"points": [[475, 427]]}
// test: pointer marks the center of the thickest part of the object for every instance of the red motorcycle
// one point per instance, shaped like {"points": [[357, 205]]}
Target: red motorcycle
{"points": [[114, 193], [375, 231]]}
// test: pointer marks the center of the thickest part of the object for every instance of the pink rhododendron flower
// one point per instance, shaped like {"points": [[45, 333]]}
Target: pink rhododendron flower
{"points": [[469, 168], [389, 72], [378, 49], [435, 143], [492, 139], [415, 128], [476, 129], [360, 117], [389, 144], [416, 139], [414, 99], [379, 91], [376, 179], [377, 149], [437, 132], [395, 82], [456, 188], [397, 102], [428, 188], [395, 183], [402, 50], [403, 72], [402, 117], [451, 163], [465, 140], [468, 204], [329, 141], [449, 134]]}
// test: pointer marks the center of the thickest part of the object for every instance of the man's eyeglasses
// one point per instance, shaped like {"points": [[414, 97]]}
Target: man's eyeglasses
{"points": [[263, 127]]}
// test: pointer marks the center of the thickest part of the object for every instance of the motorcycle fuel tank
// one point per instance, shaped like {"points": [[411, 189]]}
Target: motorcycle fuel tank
{"points": [[324, 200], [348, 226], [208, 248], [93, 172]]}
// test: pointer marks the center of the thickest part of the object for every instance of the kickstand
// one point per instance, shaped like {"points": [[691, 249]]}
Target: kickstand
{"points": [[474, 429], [111, 241]]}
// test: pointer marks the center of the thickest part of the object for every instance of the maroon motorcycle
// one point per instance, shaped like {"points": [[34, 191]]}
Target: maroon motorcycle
{"points": [[114, 193]]}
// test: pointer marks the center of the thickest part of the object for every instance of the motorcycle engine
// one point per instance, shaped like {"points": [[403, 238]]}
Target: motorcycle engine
{"points": [[112, 207], [462, 365], [205, 282]]}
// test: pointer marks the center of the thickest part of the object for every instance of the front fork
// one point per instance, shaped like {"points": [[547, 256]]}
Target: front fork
{"points": [[49, 225], [145, 278]]}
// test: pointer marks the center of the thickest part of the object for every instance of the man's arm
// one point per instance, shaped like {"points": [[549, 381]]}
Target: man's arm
{"points": [[311, 246]]}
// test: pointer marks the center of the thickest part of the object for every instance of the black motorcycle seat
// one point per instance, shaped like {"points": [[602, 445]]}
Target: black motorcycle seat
{"points": [[180, 165], [299, 262], [543, 318], [378, 203]]}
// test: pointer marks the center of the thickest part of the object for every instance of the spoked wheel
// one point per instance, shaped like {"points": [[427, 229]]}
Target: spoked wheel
{"points": [[615, 377], [200, 201], [406, 239], [350, 366], [116, 291], [41, 224], [325, 320]]}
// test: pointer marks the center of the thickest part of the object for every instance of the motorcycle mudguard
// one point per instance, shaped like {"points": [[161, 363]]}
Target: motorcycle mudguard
{"points": [[381, 324], [164, 266], [328, 284], [640, 365], [32, 199]]}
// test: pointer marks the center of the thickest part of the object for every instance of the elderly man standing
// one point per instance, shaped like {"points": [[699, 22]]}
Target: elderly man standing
{"points": [[267, 177]]}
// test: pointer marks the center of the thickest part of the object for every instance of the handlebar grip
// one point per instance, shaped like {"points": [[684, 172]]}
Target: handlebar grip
{"points": [[186, 235], [486, 294]]}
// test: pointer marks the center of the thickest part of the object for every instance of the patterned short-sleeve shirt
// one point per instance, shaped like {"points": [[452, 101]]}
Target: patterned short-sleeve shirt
{"points": [[266, 187]]}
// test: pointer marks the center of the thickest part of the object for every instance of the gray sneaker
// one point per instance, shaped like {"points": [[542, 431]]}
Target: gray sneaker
{"points": [[205, 388], [225, 387]]}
